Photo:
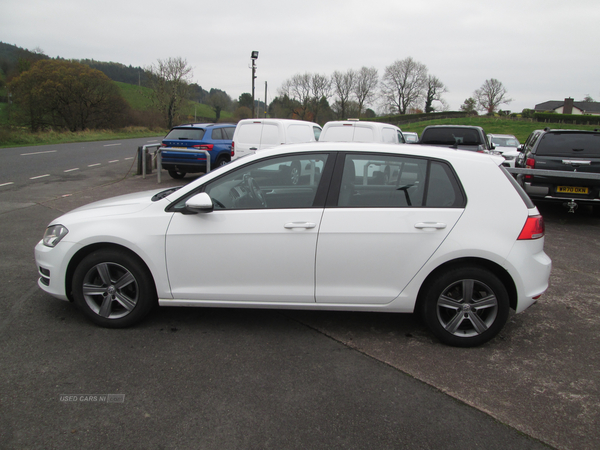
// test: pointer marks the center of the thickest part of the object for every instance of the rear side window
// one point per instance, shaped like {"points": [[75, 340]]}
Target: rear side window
{"points": [[191, 134], [228, 132], [221, 134], [569, 144]]}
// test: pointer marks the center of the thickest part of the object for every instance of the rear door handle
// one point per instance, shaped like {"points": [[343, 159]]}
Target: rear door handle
{"points": [[291, 225], [436, 225]]}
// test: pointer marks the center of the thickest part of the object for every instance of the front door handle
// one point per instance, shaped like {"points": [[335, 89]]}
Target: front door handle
{"points": [[291, 225], [436, 225]]}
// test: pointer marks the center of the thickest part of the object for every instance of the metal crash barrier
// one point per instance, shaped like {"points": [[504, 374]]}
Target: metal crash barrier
{"points": [[553, 173], [519, 174], [158, 157]]}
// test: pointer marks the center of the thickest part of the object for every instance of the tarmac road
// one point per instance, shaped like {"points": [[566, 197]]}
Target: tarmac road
{"points": [[226, 378]]}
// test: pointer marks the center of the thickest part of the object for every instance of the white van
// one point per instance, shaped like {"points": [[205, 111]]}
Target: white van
{"points": [[258, 134], [357, 131]]}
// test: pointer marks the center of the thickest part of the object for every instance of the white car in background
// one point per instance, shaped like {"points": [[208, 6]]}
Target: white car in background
{"points": [[448, 234], [361, 131], [507, 145]]}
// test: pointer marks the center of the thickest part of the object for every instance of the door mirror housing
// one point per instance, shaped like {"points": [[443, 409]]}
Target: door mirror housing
{"points": [[200, 203]]}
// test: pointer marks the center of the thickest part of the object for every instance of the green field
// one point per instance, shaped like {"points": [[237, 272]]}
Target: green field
{"points": [[140, 98], [520, 128]]}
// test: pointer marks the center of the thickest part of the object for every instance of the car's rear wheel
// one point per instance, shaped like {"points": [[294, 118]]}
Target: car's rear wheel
{"points": [[113, 288], [176, 174], [466, 306], [221, 161]]}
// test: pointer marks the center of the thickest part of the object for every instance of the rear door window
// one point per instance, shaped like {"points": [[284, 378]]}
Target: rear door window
{"points": [[398, 181]]}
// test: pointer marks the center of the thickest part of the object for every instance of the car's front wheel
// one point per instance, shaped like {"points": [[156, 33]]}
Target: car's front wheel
{"points": [[113, 288], [466, 306], [176, 174]]}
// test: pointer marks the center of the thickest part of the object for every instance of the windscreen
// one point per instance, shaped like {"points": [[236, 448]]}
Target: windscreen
{"points": [[584, 145]]}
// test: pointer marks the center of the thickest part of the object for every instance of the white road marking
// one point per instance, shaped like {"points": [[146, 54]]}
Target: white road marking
{"points": [[6, 184], [40, 176], [71, 170], [38, 153], [129, 158], [111, 145], [113, 161], [94, 165]]}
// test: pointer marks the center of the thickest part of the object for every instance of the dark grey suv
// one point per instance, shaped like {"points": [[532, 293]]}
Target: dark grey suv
{"points": [[574, 154]]}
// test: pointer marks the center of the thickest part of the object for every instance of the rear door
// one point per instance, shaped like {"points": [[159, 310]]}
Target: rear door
{"points": [[382, 229], [247, 137]]}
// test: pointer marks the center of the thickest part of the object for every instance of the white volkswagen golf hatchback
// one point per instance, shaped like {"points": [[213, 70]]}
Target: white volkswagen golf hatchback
{"points": [[448, 234]]}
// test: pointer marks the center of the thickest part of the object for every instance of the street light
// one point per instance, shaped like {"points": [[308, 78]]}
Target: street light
{"points": [[254, 57]]}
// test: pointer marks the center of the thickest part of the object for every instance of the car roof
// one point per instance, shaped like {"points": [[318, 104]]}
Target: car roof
{"points": [[370, 147], [203, 125], [455, 126]]}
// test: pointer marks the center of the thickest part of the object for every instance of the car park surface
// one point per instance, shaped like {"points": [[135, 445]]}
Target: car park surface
{"points": [[232, 377], [114, 258]]}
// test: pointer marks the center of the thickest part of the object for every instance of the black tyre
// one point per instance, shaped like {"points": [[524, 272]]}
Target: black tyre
{"points": [[113, 288], [221, 162], [176, 174], [466, 306]]}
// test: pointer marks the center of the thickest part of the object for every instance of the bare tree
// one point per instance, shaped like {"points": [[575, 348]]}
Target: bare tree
{"points": [[364, 88], [170, 81], [491, 95], [433, 92], [298, 88], [309, 91], [343, 85], [320, 88], [403, 84]]}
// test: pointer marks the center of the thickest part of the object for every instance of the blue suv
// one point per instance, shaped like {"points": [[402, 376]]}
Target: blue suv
{"points": [[215, 138]]}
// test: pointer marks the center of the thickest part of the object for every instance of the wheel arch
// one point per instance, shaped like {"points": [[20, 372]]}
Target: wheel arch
{"points": [[85, 251], [494, 268]]}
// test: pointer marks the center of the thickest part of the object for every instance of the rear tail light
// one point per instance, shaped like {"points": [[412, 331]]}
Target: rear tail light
{"points": [[232, 148], [208, 147], [529, 164], [533, 229]]}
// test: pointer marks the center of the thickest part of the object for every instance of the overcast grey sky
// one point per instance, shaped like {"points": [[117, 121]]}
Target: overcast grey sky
{"points": [[539, 49]]}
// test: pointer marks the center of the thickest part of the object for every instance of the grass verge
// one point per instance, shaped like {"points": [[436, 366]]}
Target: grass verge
{"points": [[22, 138]]}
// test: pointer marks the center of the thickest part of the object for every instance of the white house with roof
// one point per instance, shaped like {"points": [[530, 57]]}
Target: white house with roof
{"points": [[569, 106]]}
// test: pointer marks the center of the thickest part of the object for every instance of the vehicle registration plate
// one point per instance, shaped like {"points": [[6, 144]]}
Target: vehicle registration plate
{"points": [[571, 190]]}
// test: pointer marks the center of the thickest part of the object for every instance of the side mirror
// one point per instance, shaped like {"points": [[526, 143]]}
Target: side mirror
{"points": [[200, 203], [520, 148]]}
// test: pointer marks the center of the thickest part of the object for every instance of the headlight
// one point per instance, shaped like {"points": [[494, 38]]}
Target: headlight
{"points": [[54, 234]]}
